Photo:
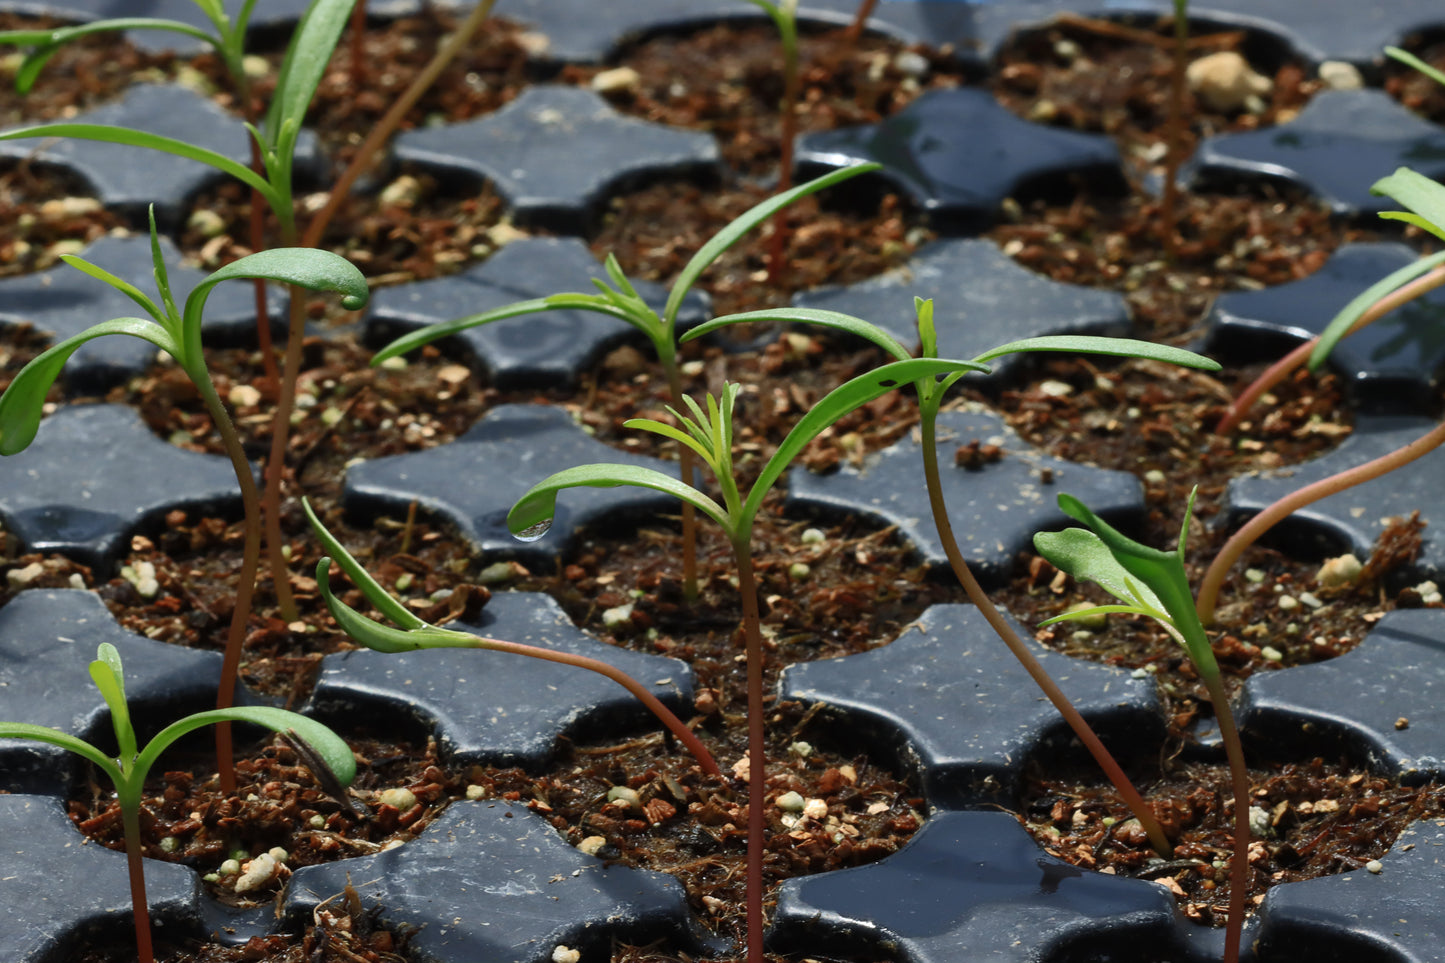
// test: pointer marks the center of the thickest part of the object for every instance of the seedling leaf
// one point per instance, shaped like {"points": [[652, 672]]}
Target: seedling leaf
{"points": [[1119, 347], [829, 319], [532, 514], [109, 678], [312, 269], [1360, 303], [1420, 194], [22, 404], [330, 747], [48, 42], [360, 577]]}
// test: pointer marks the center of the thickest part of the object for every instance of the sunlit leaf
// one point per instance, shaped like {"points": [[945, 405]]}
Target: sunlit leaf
{"points": [[1420, 194], [532, 515]]}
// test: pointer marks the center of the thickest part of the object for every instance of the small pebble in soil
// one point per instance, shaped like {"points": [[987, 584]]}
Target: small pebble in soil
{"points": [[1338, 572], [1375, 866], [400, 799], [565, 954], [790, 802]]}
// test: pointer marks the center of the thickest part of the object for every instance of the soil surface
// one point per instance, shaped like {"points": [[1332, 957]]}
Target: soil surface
{"points": [[863, 584]]}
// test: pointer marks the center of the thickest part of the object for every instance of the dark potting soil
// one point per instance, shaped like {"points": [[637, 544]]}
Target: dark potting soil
{"points": [[863, 586]]}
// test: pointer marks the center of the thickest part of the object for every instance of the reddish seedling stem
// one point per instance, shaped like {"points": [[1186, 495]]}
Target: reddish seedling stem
{"points": [[1016, 645], [757, 771], [1239, 777], [860, 20], [1281, 369], [1293, 502], [134, 864]]}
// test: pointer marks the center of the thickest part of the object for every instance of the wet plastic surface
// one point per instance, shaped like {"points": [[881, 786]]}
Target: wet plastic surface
{"points": [[944, 696]]}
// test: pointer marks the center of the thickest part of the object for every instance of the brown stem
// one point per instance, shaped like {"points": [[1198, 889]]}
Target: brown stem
{"points": [[757, 772], [788, 132], [139, 907], [686, 464], [258, 243], [392, 119], [664, 714], [1282, 509], [1174, 137], [1239, 776], [860, 20], [276, 463], [246, 582], [1278, 371], [358, 46], [1050, 689]]}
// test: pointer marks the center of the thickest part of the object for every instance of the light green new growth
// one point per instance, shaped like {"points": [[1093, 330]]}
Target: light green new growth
{"points": [[1154, 583], [128, 771]]}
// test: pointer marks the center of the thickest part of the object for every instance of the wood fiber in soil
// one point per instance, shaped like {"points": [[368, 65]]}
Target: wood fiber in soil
{"points": [[1101, 239]]}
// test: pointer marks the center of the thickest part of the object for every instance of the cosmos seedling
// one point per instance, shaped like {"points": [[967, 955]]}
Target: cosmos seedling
{"points": [[415, 633], [931, 393], [620, 300], [178, 333], [1425, 200], [129, 769], [708, 433], [1153, 583]]}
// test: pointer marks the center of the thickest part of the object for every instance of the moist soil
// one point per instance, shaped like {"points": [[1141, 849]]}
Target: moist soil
{"points": [[863, 585]]}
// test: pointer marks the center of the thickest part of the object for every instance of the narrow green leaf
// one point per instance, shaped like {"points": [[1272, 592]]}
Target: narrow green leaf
{"points": [[828, 319], [1425, 225], [54, 737], [22, 404], [1079, 614], [139, 138], [163, 278], [360, 577], [532, 515], [302, 68], [312, 269], [120, 284], [1362, 302], [745, 222], [1410, 60], [384, 638], [557, 302], [847, 397], [48, 42], [676, 434], [109, 678], [1119, 347], [328, 745], [1417, 192]]}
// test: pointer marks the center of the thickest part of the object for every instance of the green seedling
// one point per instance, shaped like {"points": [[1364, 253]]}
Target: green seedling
{"points": [[1153, 583], [620, 300], [1426, 202], [178, 333], [708, 433], [415, 633], [931, 393], [128, 771], [784, 15], [273, 153]]}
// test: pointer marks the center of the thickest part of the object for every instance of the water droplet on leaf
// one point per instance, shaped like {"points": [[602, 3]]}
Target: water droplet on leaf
{"points": [[533, 532]]}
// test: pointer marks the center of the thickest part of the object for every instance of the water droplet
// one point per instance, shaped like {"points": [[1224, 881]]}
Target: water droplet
{"points": [[353, 302], [533, 532]]}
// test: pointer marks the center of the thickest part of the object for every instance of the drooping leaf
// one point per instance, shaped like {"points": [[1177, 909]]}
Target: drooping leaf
{"points": [[48, 42], [23, 403], [558, 302], [743, 223], [139, 138], [360, 577], [312, 269], [1118, 347], [828, 319], [54, 737], [843, 399], [1341, 324], [330, 747], [532, 515]]}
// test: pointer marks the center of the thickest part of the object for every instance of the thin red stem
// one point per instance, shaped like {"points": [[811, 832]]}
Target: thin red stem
{"points": [[686, 464], [757, 771], [788, 132], [1016, 645], [860, 20], [1174, 137], [1239, 776], [1282, 509], [258, 243], [1281, 369], [276, 463], [664, 714], [135, 869]]}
